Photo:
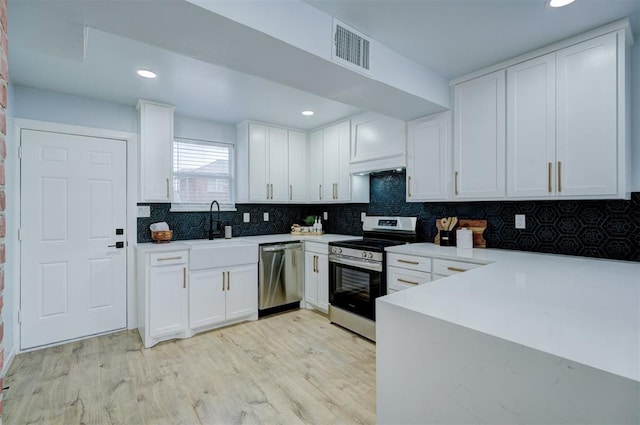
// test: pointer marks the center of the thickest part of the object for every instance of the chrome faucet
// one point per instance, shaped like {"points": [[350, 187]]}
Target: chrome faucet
{"points": [[211, 219]]}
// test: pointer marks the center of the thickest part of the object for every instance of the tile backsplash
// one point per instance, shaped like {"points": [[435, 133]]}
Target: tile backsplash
{"points": [[603, 228]]}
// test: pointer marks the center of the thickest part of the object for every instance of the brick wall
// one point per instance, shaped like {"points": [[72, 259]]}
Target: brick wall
{"points": [[4, 78]]}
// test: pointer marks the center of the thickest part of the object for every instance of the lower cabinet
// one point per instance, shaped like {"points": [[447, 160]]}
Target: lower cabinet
{"points": [[222, 295], [316, 276], [406, 271], [174, 302]]}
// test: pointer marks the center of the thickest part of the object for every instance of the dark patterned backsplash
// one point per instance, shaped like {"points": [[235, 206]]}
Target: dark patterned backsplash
{"points": [[603, 228]]}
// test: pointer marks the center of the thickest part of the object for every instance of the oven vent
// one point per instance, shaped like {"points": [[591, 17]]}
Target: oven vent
{"points": [[351, 48]]}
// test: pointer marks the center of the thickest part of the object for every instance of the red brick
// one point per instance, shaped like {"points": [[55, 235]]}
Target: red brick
{"points": [[3, 94], [2, 332], [4, 66], [1, 359], [3, 200], [2, 259], [4, 42], [3, 121], [1, 302], [3, 227], [1, 279], [3, 147], [3, 14], [2, 173]]}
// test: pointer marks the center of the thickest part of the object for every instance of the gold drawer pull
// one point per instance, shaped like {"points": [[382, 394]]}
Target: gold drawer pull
{"points": [[415, 263], [169, 258], [549, 166], [455, 183], [559, 176], [408, 281], [456, 269], [224, 279], [184, 277], [228, 281], [409, 187]]}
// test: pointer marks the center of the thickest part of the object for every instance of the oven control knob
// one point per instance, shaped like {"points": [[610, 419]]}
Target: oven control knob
{"points": [[370, 255], [337, 250], [364, 255]]}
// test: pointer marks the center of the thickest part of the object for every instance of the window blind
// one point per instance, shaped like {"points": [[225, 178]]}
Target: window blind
{"points": [[202, 171]]}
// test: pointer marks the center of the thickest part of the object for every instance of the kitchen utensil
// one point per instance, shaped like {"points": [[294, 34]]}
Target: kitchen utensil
{"points": [[453, 223]]}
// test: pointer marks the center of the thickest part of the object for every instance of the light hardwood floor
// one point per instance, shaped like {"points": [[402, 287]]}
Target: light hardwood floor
{"points": [[291, 368]]}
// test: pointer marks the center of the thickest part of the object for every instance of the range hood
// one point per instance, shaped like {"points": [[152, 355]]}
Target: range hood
{"points": [[378, 143]]}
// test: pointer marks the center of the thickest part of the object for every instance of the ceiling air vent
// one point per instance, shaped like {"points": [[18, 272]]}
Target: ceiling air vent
{"points": [[350, 48]]}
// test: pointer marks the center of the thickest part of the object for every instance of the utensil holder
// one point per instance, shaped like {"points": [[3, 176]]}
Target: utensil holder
{"points": [[447, 238]]}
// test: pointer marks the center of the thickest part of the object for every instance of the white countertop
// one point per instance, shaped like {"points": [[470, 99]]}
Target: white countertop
{"points": [[284, 237], [583, 309]]}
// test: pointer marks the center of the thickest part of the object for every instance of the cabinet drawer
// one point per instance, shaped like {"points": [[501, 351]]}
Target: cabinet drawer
{"points": [[448, 267], [317, 247], [168, 258], [411, 262], [399, 279]]}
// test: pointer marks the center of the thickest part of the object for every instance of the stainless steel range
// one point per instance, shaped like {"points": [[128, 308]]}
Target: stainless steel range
{"points": [[358, 275]]}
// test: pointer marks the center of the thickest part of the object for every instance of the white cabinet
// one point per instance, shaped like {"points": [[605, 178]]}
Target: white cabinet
{"points": [[155, 121], [242, 292], [531, 128], [162, 295], [378, 142], [428, 153], [587, 149], [406, 271], [479, 137], [443, 268], [268, 163], [329, 175], [316, 276], [297, 166], [562, 133]]}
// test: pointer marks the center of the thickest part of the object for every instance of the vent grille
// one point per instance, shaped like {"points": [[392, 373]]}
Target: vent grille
{"points": [[351, 47]]}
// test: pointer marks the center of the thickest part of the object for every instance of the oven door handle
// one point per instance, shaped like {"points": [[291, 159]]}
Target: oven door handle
{"points": [[376, 267]]}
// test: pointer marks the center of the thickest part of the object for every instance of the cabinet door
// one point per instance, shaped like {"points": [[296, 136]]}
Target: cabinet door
{"points": [[156, 139], [167, 299], [310, 278], [297, 166], [242, 295], [587, 146], [258, 162], [531, 127], [206, 297], [330, 162], [314, 176], [342, 189], [428, 147], [399, 279], [278, 165], [479, 137], [323, 282]]}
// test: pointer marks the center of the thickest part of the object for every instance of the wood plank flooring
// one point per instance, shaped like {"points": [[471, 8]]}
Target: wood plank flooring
{"points": [[293, 368]]}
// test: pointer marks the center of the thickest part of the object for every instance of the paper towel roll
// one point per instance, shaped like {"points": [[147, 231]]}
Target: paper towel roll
{"points": [[464, 238], [158, 227]]}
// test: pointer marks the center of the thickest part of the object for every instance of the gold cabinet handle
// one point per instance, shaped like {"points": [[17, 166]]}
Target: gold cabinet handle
{"points": [[456, 269], [184, 277], [549, 166], [224, 280], [335, 191], [409, 187], [320, 192], [271, 190], [455, 183], [168, 195], [559, 176], [408, 281], [315, 264], [228, 280], [290, 192], [267, 190], [169, 258], [415, 263]]}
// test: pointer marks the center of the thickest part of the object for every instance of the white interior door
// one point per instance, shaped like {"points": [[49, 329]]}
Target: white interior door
{"points": [[73, 198]]}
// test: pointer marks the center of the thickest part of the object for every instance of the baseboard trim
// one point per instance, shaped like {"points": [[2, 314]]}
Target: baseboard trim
{"points": [[8, 359]]}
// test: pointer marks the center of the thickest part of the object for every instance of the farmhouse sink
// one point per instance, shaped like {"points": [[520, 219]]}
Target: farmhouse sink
{"points": [[206, 254]]}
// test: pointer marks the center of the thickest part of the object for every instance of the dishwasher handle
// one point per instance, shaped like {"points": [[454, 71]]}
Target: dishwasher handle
{"points": [[273, 248]]}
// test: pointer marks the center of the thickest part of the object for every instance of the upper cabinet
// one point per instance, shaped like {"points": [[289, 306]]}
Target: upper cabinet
{"points": [[155, 122], [566, 121], [378, 143], [268, 163], [479, 137], [329, 176], [297, 166], [428, 155]]}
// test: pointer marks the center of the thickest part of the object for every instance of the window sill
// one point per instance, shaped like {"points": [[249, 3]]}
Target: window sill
{"points": [[200, 208]]}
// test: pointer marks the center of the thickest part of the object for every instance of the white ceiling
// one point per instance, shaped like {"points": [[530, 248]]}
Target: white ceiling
{"points": [[452, 37]]}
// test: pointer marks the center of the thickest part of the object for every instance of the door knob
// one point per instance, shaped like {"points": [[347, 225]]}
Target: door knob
{"points": [[117, 245]]}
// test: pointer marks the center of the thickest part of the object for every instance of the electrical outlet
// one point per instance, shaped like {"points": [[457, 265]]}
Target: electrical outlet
{"points": [[521, 222], [362, 216], [266, 216], [246, 218], [144, 211], [325, 215]]}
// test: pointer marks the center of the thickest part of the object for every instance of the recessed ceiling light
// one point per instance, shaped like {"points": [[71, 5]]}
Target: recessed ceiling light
{"points": [[559, 3], [146, 73], [307, 113]]}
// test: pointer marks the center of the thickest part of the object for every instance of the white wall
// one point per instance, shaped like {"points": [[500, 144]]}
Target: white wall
{"points": [[44, 105], [199, 129], [635, 113], [10, 308]]}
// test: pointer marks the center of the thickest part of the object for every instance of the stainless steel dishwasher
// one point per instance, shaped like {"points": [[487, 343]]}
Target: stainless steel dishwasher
{"points": [[280, 277]]}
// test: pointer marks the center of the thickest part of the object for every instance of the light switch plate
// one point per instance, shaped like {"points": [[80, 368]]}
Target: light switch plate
{"points": [[362, 216], [144, 211], [325, 215], [246, 218], [266, 216], [521, 222]]}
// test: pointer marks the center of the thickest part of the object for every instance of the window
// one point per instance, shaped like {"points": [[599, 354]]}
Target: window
{"points": [[202, 171]]}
